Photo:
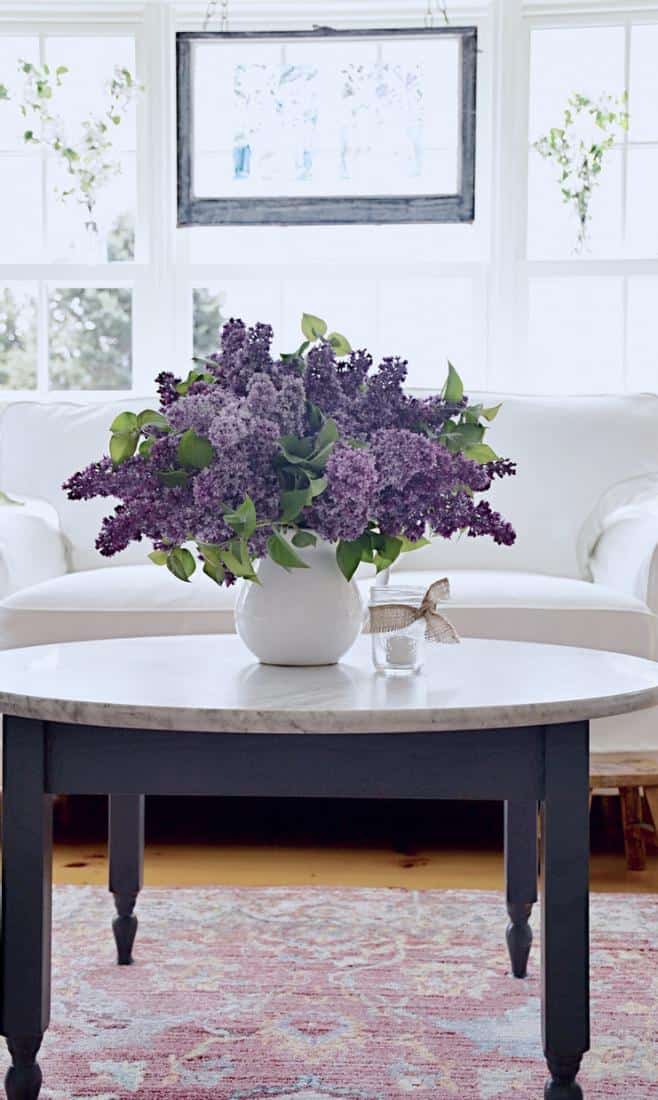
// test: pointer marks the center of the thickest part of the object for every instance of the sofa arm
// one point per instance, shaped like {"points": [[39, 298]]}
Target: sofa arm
{"points": [[32, 548], [625, 556]]}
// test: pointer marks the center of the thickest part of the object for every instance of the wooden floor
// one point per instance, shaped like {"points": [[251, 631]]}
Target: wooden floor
{"points": [[193, 842]]}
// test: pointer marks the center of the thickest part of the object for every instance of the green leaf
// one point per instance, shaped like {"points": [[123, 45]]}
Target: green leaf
{"points": [[456, 437], [210, 552], [315, 416], [243, 519], [295, 447], [304, 538], [492, 412], [453, 389], [123, 423], [60, 70], [181, 563], [214, 570], [348, 556], [173, 478], [159, 557], [480, 452], [317, 485], [388, 549], [408, 545], [194, 450], [237, 566], [313, 327], [122, 447], [295, 450], [319, 460], [283, 554], [146, 446], [339, 343], [7, 501], [28, 135], [328, 434], [156, 419], [293, 501], [4, 92]]}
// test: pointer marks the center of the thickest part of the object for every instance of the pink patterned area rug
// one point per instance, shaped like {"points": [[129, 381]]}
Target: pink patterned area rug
{"points": [[332, 994]]}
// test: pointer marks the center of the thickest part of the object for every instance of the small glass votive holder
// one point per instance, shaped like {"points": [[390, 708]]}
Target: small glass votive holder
{"points": [[398, 652]]}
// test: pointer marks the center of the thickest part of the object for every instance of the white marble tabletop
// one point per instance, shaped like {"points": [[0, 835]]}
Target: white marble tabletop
{"points": [[209, 683]]}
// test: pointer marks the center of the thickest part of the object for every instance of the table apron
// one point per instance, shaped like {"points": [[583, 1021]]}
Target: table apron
{"points": [[481, 764]]}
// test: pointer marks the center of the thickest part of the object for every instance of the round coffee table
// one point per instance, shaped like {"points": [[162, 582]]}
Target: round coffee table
{"points": [[198, 716]]}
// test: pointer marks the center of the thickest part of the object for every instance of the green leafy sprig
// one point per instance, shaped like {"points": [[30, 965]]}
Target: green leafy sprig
{"points": [[579, 154], [90, 161]]}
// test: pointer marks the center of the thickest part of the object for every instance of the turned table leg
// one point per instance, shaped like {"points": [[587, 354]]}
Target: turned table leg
{"points": [[520, 879], [26, 902], [126, 843], [565, 908]]}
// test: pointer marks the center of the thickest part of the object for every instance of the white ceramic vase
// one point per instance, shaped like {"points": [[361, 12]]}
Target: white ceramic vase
{"points": [[302, 617]]}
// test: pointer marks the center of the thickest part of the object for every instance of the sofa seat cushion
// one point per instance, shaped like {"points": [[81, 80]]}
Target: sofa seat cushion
{"points": [[531, 607], [127, 601], [143, 600]]}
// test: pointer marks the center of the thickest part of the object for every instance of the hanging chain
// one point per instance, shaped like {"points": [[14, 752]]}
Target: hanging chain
{"points": [[223, 15]]}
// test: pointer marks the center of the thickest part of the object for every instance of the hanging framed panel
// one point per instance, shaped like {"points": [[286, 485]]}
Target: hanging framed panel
{"points": [[326, 126]]}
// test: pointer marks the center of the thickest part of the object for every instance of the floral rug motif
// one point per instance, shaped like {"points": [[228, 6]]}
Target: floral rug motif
{"points": [[332, 994]]}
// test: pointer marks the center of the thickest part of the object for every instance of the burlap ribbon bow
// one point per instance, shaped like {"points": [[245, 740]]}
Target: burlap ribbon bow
{"points": [[387, 617]]}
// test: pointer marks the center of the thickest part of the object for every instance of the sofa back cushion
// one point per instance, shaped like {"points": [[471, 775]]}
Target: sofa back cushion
{"points": [[569, 451], [42, 444]]}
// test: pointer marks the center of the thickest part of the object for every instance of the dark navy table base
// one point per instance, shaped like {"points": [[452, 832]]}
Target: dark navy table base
{"points": [[522, 767]]}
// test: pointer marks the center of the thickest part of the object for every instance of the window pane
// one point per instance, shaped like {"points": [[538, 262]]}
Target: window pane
{"points": [[348, 306], [644, 83], [90, 336], [18, 336], [589, 60], [575, 336], [641, 205], [12, 123], [20, 208], [326, 118], [107, 234], [252, 300], [427, 322], [209, 314], [643, 333]]}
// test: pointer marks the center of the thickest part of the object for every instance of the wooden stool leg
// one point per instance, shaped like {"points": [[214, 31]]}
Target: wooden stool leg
{"points": [[631, 816], [651, 795]]}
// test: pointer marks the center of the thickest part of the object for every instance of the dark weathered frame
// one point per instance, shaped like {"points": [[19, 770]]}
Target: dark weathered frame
{"points": [[329, 210]]}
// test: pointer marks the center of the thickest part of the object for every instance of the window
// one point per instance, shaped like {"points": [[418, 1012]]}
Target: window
{"points": [[326, 126], [66, 307], [507, 297], [590, 311]]}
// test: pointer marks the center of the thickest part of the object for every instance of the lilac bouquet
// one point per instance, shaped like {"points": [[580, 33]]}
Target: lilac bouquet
{"points": [[254, 454]]}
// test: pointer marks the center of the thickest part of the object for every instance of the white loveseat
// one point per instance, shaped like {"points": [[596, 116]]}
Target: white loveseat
{"points": [[584, 569]]}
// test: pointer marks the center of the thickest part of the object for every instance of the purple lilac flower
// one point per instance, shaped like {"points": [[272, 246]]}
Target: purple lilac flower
{"points": [[343, 510], [399, 476]]}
